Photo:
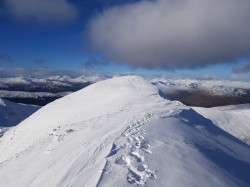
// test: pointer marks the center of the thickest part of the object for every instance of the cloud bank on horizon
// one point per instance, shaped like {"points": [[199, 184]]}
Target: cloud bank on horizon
{"points": [[173, 33], [42, 11], [38, 73]]}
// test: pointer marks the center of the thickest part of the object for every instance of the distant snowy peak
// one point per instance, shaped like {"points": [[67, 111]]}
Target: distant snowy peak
{"points": [[14, 80], [213, 87], [50, 84]]}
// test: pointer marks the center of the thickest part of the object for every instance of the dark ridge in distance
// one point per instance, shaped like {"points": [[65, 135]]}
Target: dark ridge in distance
{"points": [[40, 101], [202, 99], [47, 88]]}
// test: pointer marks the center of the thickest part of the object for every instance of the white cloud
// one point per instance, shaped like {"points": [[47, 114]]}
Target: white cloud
{"points": [[173, 33], [42, 11]]}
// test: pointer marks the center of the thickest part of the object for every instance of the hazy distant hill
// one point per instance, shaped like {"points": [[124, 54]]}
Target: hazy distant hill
{"points": [[205, 93]]}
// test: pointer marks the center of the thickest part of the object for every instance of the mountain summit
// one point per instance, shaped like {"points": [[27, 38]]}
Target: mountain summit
{"points": [[121, 132]]}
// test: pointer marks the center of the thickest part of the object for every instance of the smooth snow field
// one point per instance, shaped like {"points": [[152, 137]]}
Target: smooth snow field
{"points": [[234, 119], [121, 132]]}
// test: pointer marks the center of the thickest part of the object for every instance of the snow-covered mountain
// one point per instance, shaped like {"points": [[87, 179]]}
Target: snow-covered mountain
{"points": [[121, 132], [206, 93]]}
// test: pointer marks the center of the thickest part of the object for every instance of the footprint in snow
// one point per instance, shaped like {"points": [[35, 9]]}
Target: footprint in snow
{"points": [[123, 160], [138, 171], [137, 156]]}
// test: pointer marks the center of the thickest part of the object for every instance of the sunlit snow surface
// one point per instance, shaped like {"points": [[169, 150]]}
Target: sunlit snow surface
{"points": [[120, 132], [235, 119]]}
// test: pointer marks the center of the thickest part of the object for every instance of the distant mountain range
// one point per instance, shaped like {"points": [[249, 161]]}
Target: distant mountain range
{"points": [[39, 91], [52, 84], [205, 93]]}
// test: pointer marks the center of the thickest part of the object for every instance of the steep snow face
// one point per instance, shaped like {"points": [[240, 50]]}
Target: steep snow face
{"points": [[121, 132], [234, 119], [11, 113]]}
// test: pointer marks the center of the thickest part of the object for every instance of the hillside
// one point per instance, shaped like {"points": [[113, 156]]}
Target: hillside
{"points": [[234, 119], [12, 113], [205, 93], [121, 132]]}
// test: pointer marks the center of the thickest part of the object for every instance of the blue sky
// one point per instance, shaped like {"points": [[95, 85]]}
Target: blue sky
{"points": [[36, 40]]}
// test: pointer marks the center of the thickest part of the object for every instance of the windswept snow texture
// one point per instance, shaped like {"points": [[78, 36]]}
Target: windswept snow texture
{"points": [[234, 119], [12, 113], [121, 132]]}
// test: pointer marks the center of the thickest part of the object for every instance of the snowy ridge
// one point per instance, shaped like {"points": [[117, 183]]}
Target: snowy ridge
{"points": [[57, 122], [233, 119], [121, 132]]}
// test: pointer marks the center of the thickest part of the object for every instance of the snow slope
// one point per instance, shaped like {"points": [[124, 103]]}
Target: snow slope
{"points": [[121, 132], [235, 119], [12, 113]]}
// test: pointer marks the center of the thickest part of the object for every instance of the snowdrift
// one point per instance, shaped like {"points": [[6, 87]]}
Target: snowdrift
{"points": [[234, 119], [121, 132]]}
